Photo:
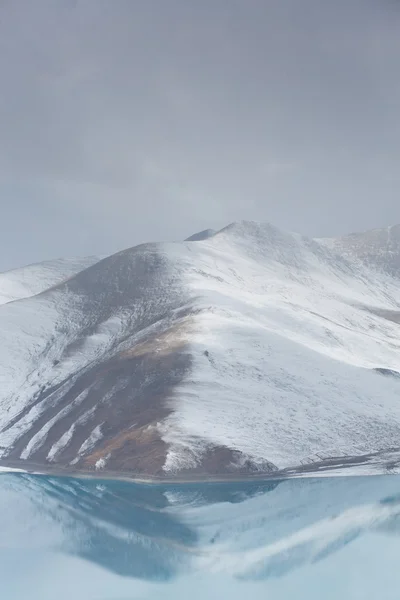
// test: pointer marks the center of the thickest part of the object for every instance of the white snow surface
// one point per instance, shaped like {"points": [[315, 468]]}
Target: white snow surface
{"points": [[61, 443], [91, 441], [283, 337], [291, 347], [11, 470], [34, 279]]}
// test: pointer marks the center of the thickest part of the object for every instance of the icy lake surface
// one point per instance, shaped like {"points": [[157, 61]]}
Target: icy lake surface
{"points": [[331, 538]]}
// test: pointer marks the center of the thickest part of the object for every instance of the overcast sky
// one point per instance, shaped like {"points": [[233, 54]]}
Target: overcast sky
{"points": [[125, 121]]}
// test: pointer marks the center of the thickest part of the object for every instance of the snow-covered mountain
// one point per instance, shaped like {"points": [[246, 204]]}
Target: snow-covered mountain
{"points": [[250, 349], [33, 279]]}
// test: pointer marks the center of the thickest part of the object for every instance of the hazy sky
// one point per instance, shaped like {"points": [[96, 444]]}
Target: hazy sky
{"points": [[125, 121]]}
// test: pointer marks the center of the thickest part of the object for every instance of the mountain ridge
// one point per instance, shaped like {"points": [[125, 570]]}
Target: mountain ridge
{"points": [[24, 282]]}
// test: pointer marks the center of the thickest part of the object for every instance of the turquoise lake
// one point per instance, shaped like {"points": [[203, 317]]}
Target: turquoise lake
{"points": [[328, 538]]}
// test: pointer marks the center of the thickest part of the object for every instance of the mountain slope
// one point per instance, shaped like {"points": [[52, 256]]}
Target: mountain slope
{"points": [[378, 249], [34, 279], [253, 349]]}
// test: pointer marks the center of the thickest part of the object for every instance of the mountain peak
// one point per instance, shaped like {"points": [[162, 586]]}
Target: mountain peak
{"points": [[201, 235]]}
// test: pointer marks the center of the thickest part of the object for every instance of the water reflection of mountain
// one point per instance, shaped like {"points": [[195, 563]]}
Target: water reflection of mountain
{"points": [[134, 530], [157, 532]]}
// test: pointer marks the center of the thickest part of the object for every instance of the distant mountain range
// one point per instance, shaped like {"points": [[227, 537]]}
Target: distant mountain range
{"points": [[244, 351]]}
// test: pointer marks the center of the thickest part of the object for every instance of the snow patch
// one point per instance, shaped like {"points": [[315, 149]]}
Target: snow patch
{"points": [[11, 470], [101, 463], [62, 443], [92, 440], [40, 437]]}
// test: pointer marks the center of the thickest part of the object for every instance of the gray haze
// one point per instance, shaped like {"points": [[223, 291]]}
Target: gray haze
{"points": [[134, 120]]}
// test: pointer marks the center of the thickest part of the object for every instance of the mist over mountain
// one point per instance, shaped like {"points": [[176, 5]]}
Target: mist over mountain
{"points": [[379, 248]]}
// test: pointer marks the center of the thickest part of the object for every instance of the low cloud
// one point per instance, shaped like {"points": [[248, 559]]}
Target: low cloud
{"points": [[151, 120]]}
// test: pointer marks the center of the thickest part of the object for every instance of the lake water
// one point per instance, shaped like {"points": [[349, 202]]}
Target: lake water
{"points": [[326, 538]]}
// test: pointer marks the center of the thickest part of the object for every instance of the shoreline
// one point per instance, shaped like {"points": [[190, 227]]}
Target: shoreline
{"points": [[377, 463], [138, 478]]}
